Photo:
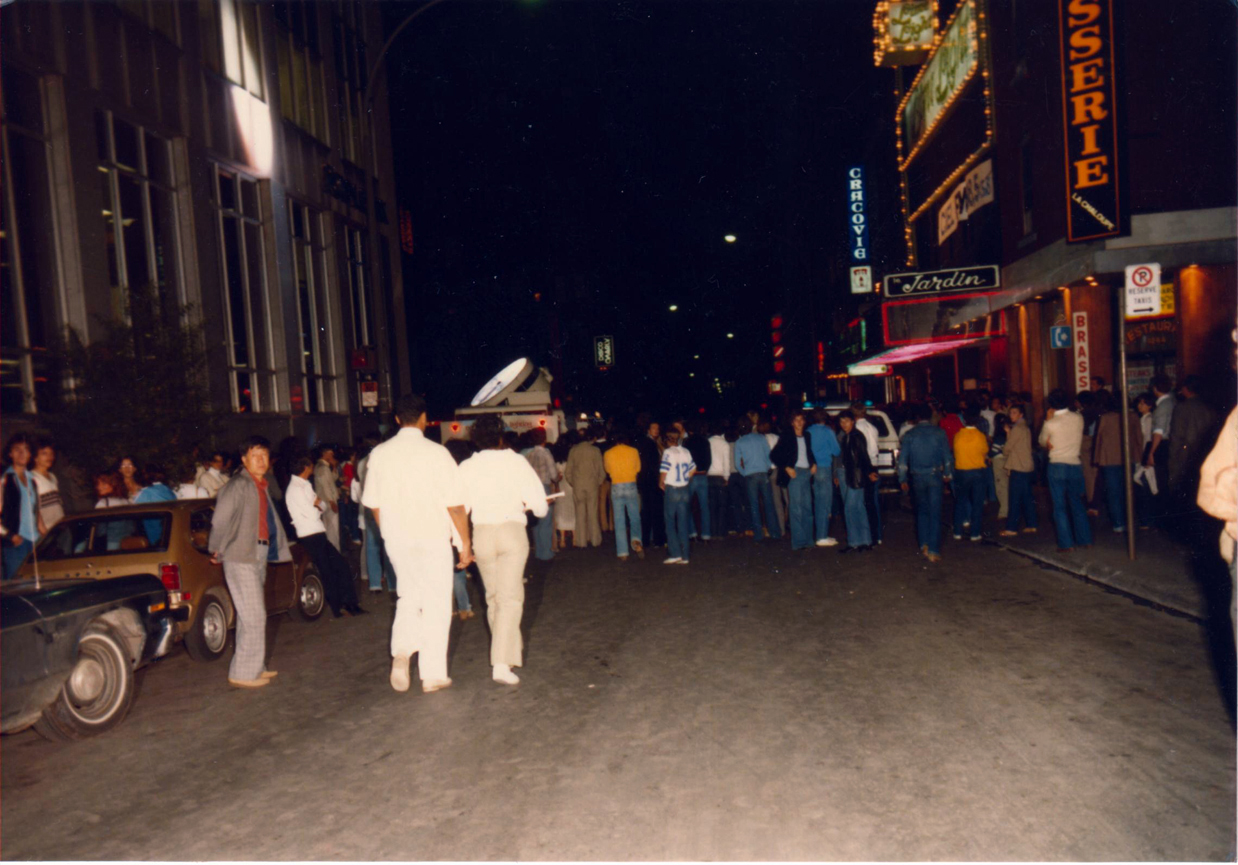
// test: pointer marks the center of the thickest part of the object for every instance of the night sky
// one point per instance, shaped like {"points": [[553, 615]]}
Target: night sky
{"points": [[572, 166]]}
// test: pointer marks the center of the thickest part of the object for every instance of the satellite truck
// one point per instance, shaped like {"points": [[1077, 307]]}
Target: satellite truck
{"points": [[516, 395]]}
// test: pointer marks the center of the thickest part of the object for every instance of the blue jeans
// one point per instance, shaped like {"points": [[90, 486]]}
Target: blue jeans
{"points": [[856, 515], [969, 491], [625, 500], [698, 488], [1115, 495], [15, 556], [462, 591], [823, 502], [678, 513], [1022, 504], [544, 533], [1070, 515], [377, 565], [717, 506], [737, 496], [872, 506], [926, 492], [759, 492], [799, 511]]}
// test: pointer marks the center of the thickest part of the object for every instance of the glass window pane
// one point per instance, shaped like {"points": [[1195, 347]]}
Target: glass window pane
{"points": [[22, 103], [227, 191], [300, 94], [256, 271], [249, 199], [158, 160], [297, 22], [208, 31], [33, 227], [230, 31], [164, 15], [311, 26], [244, 392], [102, 135], [319, 82], [133, 231], [163, 233], [233, 274], [251, 52], [126, 135], [136, 8], [109, 232], [286, 105]]}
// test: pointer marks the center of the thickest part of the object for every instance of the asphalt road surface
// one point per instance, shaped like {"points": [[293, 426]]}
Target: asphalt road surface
{"points": [[756, 704]]}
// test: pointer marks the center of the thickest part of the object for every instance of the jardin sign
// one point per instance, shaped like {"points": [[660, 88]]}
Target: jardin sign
{"points": [[959, 280]]}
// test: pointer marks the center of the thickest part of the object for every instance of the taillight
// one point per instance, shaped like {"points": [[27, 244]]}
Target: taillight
{"points": [[170, 574]]}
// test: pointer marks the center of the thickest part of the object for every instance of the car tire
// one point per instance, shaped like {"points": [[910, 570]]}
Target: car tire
{"points": [[98, 693], [311, 597], [208, 638]]}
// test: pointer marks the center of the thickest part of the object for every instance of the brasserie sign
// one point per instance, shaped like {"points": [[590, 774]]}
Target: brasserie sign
{"points": [[959, 280]]}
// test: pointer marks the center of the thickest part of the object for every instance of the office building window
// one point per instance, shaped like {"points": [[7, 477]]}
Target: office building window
{"points": [[240, 213], [350, 72], [302, 85], [138, 209], [309, 262], [355, 253], [156, 14], [28, 263], [231, 42]]}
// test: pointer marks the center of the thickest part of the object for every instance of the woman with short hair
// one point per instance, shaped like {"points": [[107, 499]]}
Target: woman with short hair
{"points": [[20, 522]]}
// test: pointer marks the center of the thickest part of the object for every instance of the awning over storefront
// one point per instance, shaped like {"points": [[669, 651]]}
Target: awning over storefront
{"points": [[905, 353]]}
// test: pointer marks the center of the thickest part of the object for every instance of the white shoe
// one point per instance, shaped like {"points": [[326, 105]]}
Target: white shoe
{"points": [[399, 673], [827, 542], [503, 675], [672, 561]]}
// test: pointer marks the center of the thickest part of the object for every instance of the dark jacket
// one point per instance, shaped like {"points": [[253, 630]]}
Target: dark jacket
{"points": [[11, 514], [786, 453], [856, 465], [1191, 433], [698, 446], [650, 461]]}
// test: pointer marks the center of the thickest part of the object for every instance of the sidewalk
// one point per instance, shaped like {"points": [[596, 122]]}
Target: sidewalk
{"points": [[1166, 571]]}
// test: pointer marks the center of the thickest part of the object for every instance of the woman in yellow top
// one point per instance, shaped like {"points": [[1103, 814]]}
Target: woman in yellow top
{"points": [[971, 457]]}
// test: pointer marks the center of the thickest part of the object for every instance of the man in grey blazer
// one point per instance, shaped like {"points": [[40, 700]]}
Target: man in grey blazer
{"points": [[246, 534]]}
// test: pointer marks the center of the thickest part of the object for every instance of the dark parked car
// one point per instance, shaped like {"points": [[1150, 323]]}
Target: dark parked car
{"points": [[69, 649]]}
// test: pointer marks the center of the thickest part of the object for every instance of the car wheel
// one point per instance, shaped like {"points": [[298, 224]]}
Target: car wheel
{"points": [[208, 637], [98, 693], [312, 598]]}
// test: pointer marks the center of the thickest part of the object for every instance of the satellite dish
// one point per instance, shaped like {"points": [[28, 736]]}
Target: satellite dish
{"points": [[508, 379]]}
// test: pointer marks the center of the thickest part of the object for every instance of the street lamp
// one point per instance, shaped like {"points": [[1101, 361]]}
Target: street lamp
{"points": [[673, 307], [730, 336], [730, 238]]}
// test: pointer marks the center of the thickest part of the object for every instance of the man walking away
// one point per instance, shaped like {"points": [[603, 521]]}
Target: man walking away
{"points": [[1062, 434], [544, 466], [925, 464], [1108, 454], [413, 487], [872, 494], [720, 469], [246, 534], [1021, 467], [653, 526], [326, 487], [499, 486], [698, 488], [797, 466], [305, 508], [752, 460], [825, 451], [971, 449], [1191, 430], [623, 464], [674, 474], [1158, 458], [585, 472]]}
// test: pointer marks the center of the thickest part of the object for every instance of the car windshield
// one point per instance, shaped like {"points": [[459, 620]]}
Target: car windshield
{"points": [[879, 423], [106, 535]]}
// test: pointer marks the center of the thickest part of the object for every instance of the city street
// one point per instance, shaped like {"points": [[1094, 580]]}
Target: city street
{"points": [[756, 704]]}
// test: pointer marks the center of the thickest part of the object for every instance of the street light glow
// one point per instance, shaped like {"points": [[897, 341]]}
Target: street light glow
{"points": [[730, 238], [730, 336], [673, 307]]}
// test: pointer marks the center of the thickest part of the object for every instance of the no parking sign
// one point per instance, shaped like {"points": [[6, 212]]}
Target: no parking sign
{"points": [[1143, 290]]}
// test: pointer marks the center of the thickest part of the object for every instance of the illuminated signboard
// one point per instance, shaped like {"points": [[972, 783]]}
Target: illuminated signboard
{"points": [[903, 32], [857, 219], [955, 60], [604, 352], [957, 280], [1089, 119], [975, 191]]}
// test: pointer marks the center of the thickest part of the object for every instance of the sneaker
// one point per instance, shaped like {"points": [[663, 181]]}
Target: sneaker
{"points": [[975, 538], [682, 562], [399, 673], [1030, 531], [924, 550], [958, 537], [375, 591], [827, 542], [933, 557], [672, 561], [623, 558], [504, 676], [638, 549], [429, 686]]}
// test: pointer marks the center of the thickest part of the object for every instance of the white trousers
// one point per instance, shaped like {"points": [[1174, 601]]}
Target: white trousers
{"points": [[424, 575], [502, 551]]}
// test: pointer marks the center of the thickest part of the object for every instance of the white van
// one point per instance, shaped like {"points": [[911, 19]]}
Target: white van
{"points": [[887, 441]]}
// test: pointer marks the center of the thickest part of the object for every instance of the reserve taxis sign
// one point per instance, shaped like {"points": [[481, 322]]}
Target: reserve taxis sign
{"points": [[959, 280], [1090, 123]]}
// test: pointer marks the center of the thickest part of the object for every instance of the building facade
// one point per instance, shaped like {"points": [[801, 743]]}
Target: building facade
{"points": [[1044, 147], [222, 154]]}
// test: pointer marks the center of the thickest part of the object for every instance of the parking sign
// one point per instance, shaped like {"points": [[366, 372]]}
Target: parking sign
{"points": [[1143, 290]]}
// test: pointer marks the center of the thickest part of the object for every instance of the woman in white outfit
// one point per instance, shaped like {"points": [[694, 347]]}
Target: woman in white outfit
{"points": [[499, 485]]}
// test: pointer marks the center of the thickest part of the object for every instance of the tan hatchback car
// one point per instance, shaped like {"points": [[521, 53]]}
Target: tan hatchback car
{"points": [[168, 540]]}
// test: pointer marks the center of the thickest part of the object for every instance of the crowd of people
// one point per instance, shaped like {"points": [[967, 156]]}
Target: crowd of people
{"points": [[426, 516]]}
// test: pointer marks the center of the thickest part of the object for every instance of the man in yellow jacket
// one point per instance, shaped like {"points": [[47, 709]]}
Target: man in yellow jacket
{"points": [[971, 457]]}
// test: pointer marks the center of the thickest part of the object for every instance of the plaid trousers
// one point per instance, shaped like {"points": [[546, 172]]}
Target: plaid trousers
{"points": [[247, 584]]}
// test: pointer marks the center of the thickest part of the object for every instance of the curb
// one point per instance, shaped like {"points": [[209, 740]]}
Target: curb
{"points": [[1104, 580]]}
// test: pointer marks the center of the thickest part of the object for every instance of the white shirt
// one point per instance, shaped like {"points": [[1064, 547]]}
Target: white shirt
{"points": [[677, 465], [300, 498], [721, 454], [801, 452], [212, 480], [191, 491], [499, 486], [411, 482], [870, 437], [1065, 432]]}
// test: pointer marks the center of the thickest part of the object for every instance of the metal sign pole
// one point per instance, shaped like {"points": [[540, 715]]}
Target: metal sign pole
{"points": [[1125, 427]]}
